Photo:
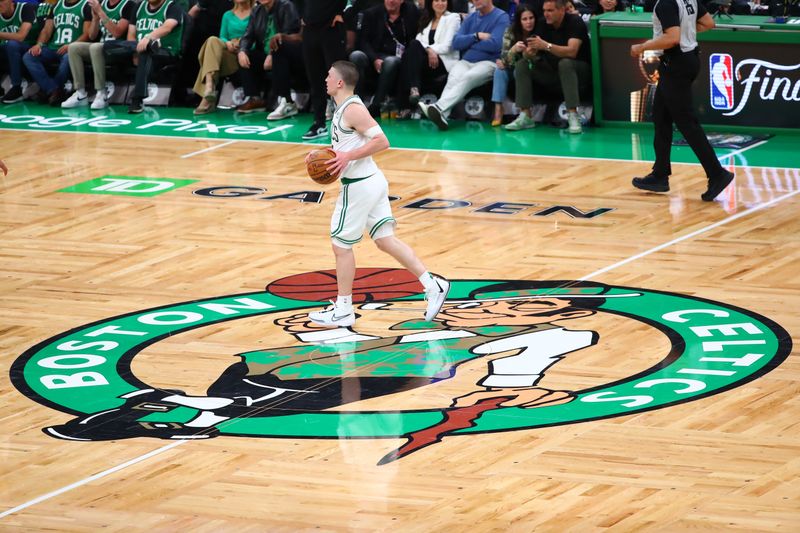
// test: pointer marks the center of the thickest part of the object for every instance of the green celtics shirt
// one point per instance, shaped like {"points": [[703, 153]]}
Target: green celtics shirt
{"points": [[42, 13], [147, 21], [22, 13], [68, 19], [123, 10]]}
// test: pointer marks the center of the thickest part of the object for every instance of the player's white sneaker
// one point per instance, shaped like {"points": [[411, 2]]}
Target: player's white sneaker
{"points": [[334, 317], [436, 297]]}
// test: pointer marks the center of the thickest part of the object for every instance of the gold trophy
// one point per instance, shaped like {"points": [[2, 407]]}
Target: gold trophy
{"points": [[642, 100]]}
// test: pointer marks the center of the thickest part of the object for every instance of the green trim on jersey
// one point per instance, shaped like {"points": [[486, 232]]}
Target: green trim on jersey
{"points": [[347, 241], [348, 181], [68, 23], [114, 13], [147, 22], [380, 223], [349, 100]]}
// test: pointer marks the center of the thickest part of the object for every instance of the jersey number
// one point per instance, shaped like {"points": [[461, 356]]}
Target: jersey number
{"points": [[64, 36]]}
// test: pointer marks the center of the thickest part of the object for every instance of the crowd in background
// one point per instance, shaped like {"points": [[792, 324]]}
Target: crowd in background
{"points": [[403, 49]]}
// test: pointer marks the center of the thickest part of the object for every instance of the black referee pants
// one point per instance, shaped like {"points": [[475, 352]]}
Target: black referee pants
{"points": [[673, 105], [322, 46]]}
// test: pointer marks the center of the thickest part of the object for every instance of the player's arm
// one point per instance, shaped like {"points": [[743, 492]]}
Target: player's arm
{"points": [[359, 119]]}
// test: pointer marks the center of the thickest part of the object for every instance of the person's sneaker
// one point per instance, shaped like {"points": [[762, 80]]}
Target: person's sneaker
{"points": [[334, 317], [522, 122], [13, 95], [574, 122], [100, 101], [316, 131], [136, 106], [435, 115], [252, 105], [652, 183], [76, 100], [436, 297], [284, 110], [717, 185]]}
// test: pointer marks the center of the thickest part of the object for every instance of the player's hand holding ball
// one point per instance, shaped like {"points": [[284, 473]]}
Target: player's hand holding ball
{"points": [[324, 166]]}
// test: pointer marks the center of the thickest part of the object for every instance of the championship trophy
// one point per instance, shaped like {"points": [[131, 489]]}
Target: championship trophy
{"points": [[642, 100]]}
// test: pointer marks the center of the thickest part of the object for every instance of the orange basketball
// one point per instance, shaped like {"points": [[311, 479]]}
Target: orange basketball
{"points": [[317, 166]]}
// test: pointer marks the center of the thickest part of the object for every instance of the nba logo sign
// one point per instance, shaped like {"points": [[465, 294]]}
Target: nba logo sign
{"points": [[720, 70]]}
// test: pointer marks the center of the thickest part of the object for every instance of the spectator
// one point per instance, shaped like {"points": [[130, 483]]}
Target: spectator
{"points": [[431, 54], [271, 42], [386, 31], [218, 55], [206, 20], [353, 19], [479, 40], [561, 47], [323, 43], [68, 22], [608, 6], [16, 22], [514, 45], [154, 36], [110, 19]]}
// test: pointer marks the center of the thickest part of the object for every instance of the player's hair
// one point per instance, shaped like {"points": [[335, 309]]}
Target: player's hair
{"points": [[347, 71]]}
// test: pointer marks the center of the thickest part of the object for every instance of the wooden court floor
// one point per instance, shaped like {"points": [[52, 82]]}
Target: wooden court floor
{"points": [[717, 448]]}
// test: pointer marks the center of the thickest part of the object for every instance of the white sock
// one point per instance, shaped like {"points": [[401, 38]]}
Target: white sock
{"points": [[81, 93], [427, 281], [344, 302]]}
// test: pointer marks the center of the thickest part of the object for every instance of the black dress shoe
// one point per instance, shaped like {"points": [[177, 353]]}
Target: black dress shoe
{"points": [[717, 185], [652, 183]]}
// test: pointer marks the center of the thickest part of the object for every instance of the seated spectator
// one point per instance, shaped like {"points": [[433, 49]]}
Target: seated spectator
{"points": [[110, 19], [353, 16], [218, 55], [609, 6], [386, 32], [514, 44], [561, 60], [479, 40], [154, 36], [430, 55], [68, 22], [16, 21], [271, 42], [206, 21]]}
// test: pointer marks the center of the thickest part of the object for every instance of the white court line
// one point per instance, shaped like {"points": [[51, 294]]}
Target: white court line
{"points": [[690, 235], [592, 275], [740, 150], [208, 149], [89, 479]]}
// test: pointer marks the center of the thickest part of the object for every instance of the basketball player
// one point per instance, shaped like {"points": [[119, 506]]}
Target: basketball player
{"points": [[675, 27], [363, 202]]}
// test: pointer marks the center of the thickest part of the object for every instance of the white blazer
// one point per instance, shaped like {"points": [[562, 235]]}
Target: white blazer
{"points": [[443, 38]]}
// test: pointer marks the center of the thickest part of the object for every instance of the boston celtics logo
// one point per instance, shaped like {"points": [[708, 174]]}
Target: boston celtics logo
{"points": [[483, 360]]}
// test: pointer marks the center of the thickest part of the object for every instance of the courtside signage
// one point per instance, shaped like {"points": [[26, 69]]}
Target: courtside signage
{"points": [[296, 390]]}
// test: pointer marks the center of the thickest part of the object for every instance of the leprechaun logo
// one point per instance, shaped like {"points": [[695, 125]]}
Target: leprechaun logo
{"points": [[512, 331]]}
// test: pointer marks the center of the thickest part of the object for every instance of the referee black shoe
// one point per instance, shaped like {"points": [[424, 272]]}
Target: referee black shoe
{"points": [[316, 131], [717, 185], [652, 183]]}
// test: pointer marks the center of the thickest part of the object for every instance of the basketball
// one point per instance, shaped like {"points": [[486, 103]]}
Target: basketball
{"points": [[369, 285], [317, 166]]}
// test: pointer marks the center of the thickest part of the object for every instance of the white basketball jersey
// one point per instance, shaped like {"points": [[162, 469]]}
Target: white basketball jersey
{"points": [[344, 139]]}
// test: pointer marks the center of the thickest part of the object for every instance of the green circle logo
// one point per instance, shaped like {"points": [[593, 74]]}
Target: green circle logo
{"points": [[521, 327]]}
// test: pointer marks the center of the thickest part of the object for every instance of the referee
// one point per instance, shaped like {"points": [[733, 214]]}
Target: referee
{"points": [[675, 27]]}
